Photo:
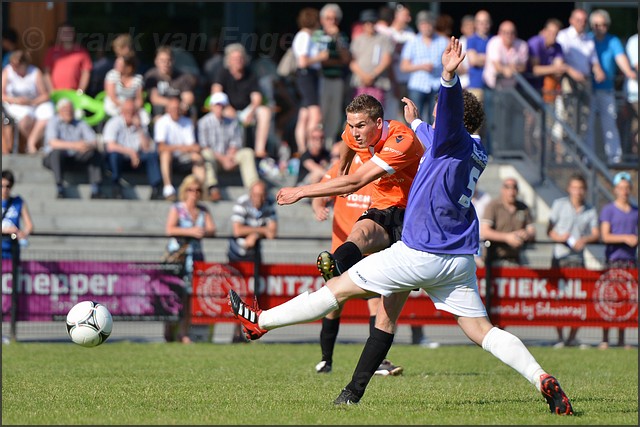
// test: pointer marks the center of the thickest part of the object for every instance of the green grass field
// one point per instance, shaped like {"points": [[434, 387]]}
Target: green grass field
{"points": [[157, 383]]}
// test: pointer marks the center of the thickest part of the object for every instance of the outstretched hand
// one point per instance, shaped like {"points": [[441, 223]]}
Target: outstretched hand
{"points": [[451, 58]]}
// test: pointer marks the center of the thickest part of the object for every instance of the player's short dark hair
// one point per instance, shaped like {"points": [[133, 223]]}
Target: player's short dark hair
{"points": [[8, 175], [473, 116], [366, 104]]}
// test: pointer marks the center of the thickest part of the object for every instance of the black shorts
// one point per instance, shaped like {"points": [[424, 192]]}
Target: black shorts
{"points": [[391, 219]]}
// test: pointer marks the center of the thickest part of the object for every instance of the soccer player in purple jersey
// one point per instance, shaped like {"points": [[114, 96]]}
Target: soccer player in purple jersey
{"points": [[439, 239]]}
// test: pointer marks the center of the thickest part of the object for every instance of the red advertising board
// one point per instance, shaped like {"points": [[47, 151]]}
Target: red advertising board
{"points": [[520, 296]]}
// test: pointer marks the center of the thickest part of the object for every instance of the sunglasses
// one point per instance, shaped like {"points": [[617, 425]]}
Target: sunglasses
{"points": [[510, 187], [194, 190]]}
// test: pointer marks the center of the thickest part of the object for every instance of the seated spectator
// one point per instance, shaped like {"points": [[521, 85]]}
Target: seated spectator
{"points": [[253, 219], [67, 65], [122, 83], [69, 142], [222, 147], [507, 223], [314, 161], [177, 146], [371, 53], [14, 209], [164, 81], [245, 99], [188, 222], [128, 145], [25, 99]]}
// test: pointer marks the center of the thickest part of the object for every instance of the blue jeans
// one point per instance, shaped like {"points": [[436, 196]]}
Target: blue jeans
{"points": [[118, 163], [425, 103]]}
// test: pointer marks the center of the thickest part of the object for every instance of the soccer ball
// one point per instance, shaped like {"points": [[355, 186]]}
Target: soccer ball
{"points": [[89, 323]]}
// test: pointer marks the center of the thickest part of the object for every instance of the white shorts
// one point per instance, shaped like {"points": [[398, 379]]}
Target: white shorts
{"points": [[449, 280], [43, 111]]}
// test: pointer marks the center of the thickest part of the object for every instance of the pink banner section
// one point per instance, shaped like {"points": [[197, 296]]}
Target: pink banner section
{"points": [[131, 291]]}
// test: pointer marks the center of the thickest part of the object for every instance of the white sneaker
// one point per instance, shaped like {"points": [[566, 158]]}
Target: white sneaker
{"points": [[323, 367], [429, 344]]}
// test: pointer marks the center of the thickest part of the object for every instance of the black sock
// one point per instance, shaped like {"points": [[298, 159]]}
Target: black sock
{"points": [[374, 352], [328, 336], [372, 324], [346, 256]]}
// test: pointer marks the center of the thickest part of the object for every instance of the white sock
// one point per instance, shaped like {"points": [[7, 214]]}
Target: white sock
{"points": [[306, 307], [509, 349]]}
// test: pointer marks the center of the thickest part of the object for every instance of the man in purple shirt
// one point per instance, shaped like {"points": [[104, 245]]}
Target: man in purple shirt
{"points": [[439, 239], [545, 55]]}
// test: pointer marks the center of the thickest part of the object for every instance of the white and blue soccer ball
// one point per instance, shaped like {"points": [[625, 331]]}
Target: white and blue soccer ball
{"points": [[89, 323]]}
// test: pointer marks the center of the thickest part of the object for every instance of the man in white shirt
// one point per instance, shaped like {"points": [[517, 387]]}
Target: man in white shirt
{"points": [[177, 147]]}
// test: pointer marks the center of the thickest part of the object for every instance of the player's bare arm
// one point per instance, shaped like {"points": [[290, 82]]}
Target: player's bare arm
{"points": [[344, 184]]}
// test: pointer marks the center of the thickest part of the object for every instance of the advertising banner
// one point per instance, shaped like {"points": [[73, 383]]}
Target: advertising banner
{"points": [[132, 291]]}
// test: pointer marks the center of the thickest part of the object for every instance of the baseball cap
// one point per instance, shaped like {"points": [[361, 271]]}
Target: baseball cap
{"points": [[620, 176], [368, 15], [219, 98]]}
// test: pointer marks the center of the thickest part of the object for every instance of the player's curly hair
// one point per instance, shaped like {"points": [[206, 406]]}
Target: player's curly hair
{"points": [[473, 116], [365, 104]]}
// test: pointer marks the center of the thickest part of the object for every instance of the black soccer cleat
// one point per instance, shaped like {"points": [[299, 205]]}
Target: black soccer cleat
{"points": [[346, 397], [556, 398]]}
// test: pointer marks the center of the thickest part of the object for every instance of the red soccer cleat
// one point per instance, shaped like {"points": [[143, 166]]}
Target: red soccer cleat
{"points": [[557, 400], [248, 316]]}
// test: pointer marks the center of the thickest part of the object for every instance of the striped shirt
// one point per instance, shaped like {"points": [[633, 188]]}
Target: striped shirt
{"points": [[418, 52], [218, 135]]}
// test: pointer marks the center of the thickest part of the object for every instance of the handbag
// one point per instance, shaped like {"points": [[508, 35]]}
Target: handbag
{"points": [[287, 65], [176, 251]]}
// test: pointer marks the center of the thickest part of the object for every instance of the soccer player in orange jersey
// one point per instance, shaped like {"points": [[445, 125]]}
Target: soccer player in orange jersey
{"points": [[390, 153]]}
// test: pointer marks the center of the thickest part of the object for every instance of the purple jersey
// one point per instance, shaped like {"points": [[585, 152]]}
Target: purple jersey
{"points": [[621, 223], [442, 217]]}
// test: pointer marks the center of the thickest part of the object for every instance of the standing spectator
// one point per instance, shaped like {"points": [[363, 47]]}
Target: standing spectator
{"points": [[610, 53], [240, 84], [400, 33], [506, 55], [507, 223], [222, 147], [421, 58], [371, 53], [25, 98], [14, 210], [573, 224], [476, 50], [582, 63], [444, 26], [467, 30], [619, 231], [177, 147], [632, 90], [253, 219], [188, 222], [71, 142], [314, 161], [333, 70], [9, 44], [309, 56], [123, 83], [164, 81], [128, 145], [546, 61], [67, 65]]}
